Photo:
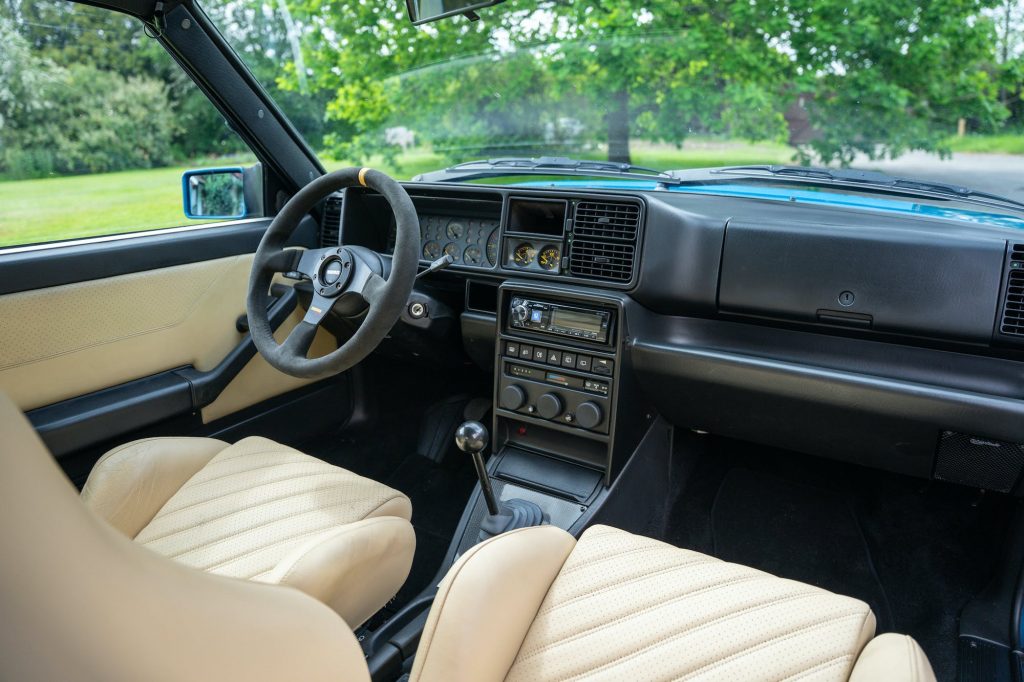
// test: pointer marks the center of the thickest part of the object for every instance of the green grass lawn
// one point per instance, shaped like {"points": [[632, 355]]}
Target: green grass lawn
{"points": [[35, 211], [988, 144]]}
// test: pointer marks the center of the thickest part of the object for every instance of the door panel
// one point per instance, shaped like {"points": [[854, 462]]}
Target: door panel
{"points": [[66, 341], [258, 381]]}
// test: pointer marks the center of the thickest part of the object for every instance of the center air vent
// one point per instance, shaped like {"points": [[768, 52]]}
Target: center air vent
{"points": [[1013, 304], [331, 227], [604, 240]]}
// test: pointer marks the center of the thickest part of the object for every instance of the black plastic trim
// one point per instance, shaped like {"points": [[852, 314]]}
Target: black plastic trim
{"points": [[71, 425]]}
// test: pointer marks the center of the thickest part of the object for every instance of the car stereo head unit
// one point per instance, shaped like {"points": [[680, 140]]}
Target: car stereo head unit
{"points": [[587, 324]]}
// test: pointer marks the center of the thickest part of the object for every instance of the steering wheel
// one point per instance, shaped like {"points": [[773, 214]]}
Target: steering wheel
{"points": [[348, 277]]}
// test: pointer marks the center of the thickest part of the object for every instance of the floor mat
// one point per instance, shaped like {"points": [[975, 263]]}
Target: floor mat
{"points": [[796, 531], [915, 550]]}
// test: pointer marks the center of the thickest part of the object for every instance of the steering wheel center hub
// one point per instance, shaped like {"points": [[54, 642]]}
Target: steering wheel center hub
{"points": [[334, 273]]}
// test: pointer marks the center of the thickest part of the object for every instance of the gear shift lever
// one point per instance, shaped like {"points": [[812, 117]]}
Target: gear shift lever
{"points": [[472, 438]]}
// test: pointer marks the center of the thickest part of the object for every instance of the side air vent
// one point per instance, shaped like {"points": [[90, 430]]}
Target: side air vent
{"points": [[1013, 305], [604, 240], [331, 228]]}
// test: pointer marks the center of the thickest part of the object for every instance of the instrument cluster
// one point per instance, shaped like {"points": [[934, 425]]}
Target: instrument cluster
{"points": [[469, 241]]}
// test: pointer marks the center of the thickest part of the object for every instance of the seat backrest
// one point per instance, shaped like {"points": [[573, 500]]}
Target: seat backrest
{"points": [[81, 601]]}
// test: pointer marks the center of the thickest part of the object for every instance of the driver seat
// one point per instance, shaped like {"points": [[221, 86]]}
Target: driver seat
{"points": [[260, 511]]}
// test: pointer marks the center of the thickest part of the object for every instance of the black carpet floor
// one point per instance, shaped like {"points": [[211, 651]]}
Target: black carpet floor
{"points": [[914, 550]]}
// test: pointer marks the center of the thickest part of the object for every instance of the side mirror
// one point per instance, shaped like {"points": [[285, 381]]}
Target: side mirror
{"points": [[423, 11], [220, 193]]}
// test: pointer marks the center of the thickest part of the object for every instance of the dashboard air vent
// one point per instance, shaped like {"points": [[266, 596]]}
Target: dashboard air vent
{"points": [[1013, 305], [331, 228], [604, 240]]}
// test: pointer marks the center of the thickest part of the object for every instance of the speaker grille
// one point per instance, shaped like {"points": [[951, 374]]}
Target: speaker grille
{"points": [[978, 462]]}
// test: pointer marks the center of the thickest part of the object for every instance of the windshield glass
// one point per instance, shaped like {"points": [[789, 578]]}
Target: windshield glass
{"points": [[929, 90]]}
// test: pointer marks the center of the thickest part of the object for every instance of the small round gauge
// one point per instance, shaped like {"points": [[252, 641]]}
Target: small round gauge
{"points": [[431, 250], [492, 247], [548, 258], [452, 250], [473, 256], [524, 254], [455, 229]]}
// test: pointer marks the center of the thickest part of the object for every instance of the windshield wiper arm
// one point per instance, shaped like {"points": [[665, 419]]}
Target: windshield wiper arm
{"points": [[544, 165], [869, 178]]}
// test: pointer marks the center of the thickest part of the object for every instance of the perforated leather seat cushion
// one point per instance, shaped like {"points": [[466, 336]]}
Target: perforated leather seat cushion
{"points": [[625, 607], [257, 501]]}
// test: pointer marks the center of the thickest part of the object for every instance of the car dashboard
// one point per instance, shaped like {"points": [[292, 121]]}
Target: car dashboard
{"points": [[890, 340]]}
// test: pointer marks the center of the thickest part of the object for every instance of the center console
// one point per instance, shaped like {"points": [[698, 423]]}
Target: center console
{"points": [[557, 366]]}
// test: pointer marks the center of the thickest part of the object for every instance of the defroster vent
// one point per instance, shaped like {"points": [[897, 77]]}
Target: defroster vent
{"points": [[604, 240], [330, 230], [1013, 305]]}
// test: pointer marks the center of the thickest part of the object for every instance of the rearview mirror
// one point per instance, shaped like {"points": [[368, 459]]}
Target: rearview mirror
{"points": [[422, 11], [214, 193]]}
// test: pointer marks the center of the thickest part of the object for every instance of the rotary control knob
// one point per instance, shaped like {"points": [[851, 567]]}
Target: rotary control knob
{"points": [[512, 397], [549, 405], [520, 313], [588, 415]]}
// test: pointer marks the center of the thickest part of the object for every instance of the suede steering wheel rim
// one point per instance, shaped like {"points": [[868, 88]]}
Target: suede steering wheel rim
{"points": [[342, 274]]}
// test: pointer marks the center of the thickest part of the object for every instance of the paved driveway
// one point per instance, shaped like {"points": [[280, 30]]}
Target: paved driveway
{"points": [[997, 173]]}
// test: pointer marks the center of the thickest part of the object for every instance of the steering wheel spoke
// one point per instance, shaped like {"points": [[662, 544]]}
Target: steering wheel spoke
{"points": [[286, 260], [373, 289]]}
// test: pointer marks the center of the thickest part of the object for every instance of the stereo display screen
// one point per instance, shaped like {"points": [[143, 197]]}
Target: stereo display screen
{"points": [[576, 319]]}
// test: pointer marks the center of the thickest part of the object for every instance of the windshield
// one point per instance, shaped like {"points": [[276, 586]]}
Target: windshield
{"points": [[928, 90]]}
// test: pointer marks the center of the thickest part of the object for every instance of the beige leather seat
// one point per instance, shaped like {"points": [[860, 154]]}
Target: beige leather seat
{"points": [[260, 511], [617, 606], [81, 601]]}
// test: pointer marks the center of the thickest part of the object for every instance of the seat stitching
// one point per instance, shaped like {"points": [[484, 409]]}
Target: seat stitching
{"points": [[210, 543], [619, 583], [585, 562], [280, 449], [267, 546], [744, 651], [255, 506], [774, 640], [206, 500], [824, 665], [652, 607], [241, 472]]}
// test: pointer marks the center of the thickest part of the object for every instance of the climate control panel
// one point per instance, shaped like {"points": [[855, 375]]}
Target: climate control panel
{"points": [[556, 384]]}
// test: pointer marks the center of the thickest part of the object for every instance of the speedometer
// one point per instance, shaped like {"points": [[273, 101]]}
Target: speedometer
{"points": [[492, 247]]}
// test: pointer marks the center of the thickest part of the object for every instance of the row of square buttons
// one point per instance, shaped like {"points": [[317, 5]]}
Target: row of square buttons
{"points": [[551, 356]]}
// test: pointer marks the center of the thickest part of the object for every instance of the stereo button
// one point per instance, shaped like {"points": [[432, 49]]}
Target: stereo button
{"points": [[525, 352], [583, 363], [540, 354], [568, 360], [511, 350]]}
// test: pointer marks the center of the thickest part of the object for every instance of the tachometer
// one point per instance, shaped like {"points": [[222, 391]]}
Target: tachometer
{"points": [[549, 258], [524, 254], [492, 247], [473, 256], [453, 250], [455, 230], [431, 250]]}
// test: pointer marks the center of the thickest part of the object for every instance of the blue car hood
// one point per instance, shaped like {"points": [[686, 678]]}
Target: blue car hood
{"points": [[794, 195]]}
